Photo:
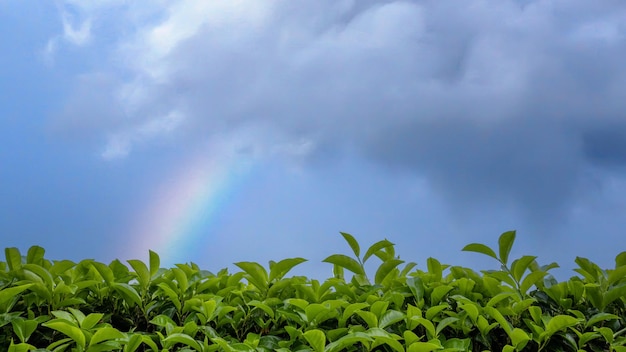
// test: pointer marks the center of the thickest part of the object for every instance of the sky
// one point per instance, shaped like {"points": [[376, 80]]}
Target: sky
{"points": [[216, 132]]}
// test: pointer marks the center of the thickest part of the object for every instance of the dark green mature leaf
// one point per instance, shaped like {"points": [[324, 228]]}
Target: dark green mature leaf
{"points": [[480, 248], [505, 243], [345, 262], [354, 244], [375, 248], [280, 269]]}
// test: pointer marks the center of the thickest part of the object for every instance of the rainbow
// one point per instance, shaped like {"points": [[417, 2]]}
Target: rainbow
{"points": [[179, 215]]}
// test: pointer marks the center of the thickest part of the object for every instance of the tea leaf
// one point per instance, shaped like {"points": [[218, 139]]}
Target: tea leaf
{"points": [[505, 243], [385, 269], [105, 334], [354, 244], [281, 268], [480, 248], [69, 330], [155, 263], [376, 247], [13, 258], [35, 255], [345, 262], [316, 339]]}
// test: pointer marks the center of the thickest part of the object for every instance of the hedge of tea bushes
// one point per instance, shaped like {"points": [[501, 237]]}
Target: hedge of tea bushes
{"points": [[60, 305]]}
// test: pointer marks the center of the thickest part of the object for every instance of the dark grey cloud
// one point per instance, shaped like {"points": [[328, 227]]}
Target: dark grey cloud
{"points": [[503, 102]]}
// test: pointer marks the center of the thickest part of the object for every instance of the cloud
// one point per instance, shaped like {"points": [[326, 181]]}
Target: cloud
{"points": [[503, 102]]}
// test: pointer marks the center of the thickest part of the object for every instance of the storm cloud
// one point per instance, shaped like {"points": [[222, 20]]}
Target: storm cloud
{"points": [[510, 102]]}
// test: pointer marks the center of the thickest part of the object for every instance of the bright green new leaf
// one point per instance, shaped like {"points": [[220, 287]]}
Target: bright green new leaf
{"points": [[505, 243], [354, 244], [444, 323], [530, 280], [375, 248], [105, 334], [128, 292], [35, 255], [184, 339], [558, 323], [257, 275], [8, 294], [143, 274], [385, 269], [424, 346], [519, 338], [345, 262], [155, 263], [416, 286], [347, 341], [75, 333], [480, 248], [13, 258], [519, 266], [316, 339], [596, 318], [21, 347], [390, 317], [104, 271], [613, 294], [370, 318], [91, 320], [23, 328], [280, 269]]}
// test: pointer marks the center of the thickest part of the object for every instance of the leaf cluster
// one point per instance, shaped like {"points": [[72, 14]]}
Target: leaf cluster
{"points": [[49, 305]]}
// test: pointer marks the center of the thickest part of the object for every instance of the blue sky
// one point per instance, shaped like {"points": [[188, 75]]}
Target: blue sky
{"points": [[218, 132]]}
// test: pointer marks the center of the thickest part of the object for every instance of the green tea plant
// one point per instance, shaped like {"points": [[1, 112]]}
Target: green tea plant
{"points": [[51, 305]]}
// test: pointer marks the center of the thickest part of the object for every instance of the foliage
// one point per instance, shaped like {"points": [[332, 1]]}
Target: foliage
{"points": [[91, 306]]}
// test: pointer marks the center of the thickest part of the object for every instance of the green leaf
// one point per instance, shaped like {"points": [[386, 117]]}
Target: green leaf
{"points": [[376, 247], [348, 340], [558, 323], [385, 269], [345, 262], [424, 346], [505, 243], [613, 294], [600, 317], [416, 286], [128, 292], [69, 330], [105, 334], [390, 317], [530, 280], [24, 328], [519, 266], [280, 269], [370, 318], [143, 274], [184, 339], [444, 323], [519, 338], [104, 271], [480, 248], [21, 347], [155, 263], [91, 320], [8, 294], [316, 339], [354, 244], [257, 275], [620, 259], [35, 255], [13, 258], [434, 267]]}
